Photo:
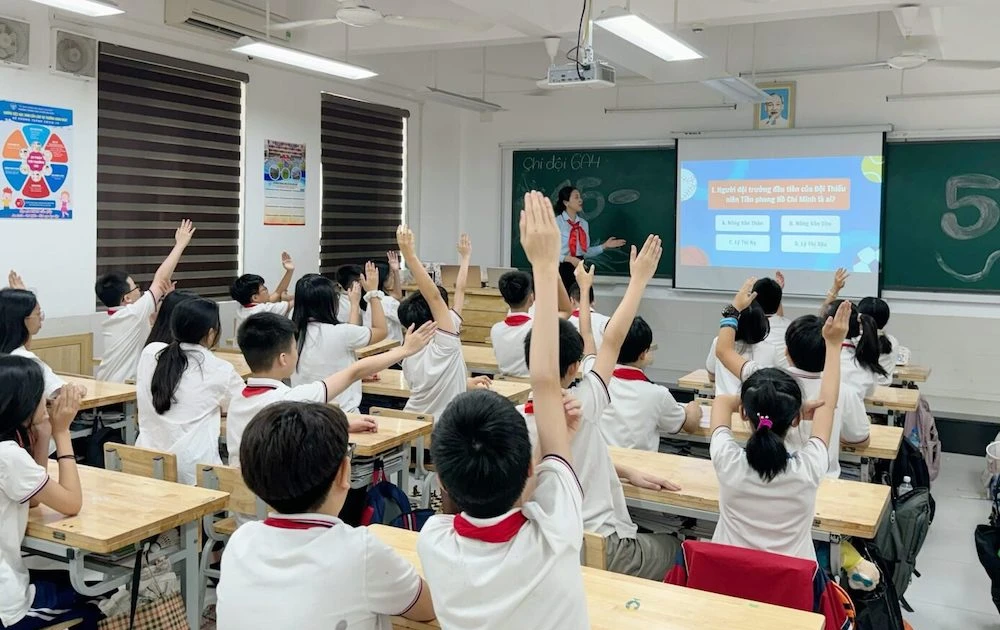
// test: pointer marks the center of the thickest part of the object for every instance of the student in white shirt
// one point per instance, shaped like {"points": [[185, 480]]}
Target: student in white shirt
{"points": [[599, 321], [326, 346], [388, 281], [860, 366], [267, 342], [508, 335], [436, 374], [252, 296], [34, 600], [888, 345], [303, 567], [511, 557], [21, 318], [648, 555], [130, 311], [753, 329], [767, 496], [182, 389], [769, 293]]}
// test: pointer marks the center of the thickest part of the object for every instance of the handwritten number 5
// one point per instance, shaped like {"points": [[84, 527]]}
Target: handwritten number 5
{"points": [[989, 211]]}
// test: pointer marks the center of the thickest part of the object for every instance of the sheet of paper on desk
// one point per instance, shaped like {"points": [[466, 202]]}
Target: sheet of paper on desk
{"points": [[706, 416]]}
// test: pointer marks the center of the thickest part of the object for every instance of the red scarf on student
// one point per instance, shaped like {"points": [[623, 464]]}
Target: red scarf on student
{"points": [[249, 392], [291, 523], [630, 374], [577, 238], [529, 408], [518, 319], [500, 532]]}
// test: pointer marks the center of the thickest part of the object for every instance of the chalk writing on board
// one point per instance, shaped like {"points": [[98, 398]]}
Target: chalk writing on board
{"points": [[575, 162], [989, 217]]}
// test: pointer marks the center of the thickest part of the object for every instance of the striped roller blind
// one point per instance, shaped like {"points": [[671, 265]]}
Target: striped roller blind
{"points": [[364, 162], [168, 148]]}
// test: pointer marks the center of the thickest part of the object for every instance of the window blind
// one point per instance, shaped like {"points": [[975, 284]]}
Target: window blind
{"points": [[364, 162], [169, 136]]}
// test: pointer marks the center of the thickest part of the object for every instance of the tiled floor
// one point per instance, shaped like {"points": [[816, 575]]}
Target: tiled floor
{"points": [[954, 591]]}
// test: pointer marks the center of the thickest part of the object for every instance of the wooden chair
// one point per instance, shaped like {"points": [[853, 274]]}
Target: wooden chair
{"points": [[593, 554], [142, 462]]}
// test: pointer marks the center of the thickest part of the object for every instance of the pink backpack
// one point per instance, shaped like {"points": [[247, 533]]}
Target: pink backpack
{"points": [[921, 430]]}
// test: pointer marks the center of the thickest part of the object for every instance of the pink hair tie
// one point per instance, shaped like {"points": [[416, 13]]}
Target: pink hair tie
{"points": [[764, 421]]}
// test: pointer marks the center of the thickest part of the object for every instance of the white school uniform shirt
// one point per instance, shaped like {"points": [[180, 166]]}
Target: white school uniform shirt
{"points": [[853, 374], [888, 361], [760, 355], [259, 393], [312, 572], [278, 308], [598, 323], [390, 306], [328, 349], [774, 516], [124, 332], [525, 574], [436, 374], [797, 438], [640, 411], [190, 428], [776, 338], [508, 338], [21, 478], [52, 381]]}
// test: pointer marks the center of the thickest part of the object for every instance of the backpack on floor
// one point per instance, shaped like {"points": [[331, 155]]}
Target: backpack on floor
{"points": [[386, 504], [908, 463], [921, 431], [900, 537], [877, 609]]}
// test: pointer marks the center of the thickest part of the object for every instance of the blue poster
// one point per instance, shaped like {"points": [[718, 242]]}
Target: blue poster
{"points": [[34, 161]]}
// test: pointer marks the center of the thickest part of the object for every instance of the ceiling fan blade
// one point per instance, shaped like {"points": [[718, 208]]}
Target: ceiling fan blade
{"points": [[965, 64], [772, 74], [292, 26], [439, 24]]}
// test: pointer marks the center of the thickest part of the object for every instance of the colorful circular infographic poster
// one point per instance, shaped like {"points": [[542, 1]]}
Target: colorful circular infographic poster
{"points": [[35, 161]]}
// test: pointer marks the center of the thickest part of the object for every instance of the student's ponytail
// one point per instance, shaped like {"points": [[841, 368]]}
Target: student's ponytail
{"points": [[878, 309], [771, 401], [866, 350], [753, 326], [193, 321]]}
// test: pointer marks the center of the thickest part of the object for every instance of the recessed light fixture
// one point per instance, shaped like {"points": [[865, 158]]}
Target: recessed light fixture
{"points": [[640, 31], [300, 59], [90, 8]]}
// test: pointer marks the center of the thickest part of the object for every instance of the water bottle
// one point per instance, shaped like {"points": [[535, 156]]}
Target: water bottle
{"points": [[904, 487]]}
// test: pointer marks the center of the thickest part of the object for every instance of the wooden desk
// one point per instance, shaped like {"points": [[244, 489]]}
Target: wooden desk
{"points": [[237, 361], [394, 434], [480, 359], [376, 348], [661, 605], [843, 508], [392, 384], [120, 510], [483, 307], [910, 374], [102, 394]]}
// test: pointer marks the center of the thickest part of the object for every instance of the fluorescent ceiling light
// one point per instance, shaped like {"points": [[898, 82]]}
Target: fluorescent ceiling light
{"points": [[668, 108], [462, 101], [643, 33], [299, 59], [931, 96], [90, 8], [737, 90]]}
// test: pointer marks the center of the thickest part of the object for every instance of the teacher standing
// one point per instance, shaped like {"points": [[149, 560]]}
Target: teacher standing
{"points": [[575, 230]]}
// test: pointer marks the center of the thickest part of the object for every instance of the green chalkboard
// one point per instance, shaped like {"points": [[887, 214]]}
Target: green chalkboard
{"points": [[627, 193], [942, 216]]}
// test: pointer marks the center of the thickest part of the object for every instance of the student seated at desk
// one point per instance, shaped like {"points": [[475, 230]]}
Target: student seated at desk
{"points": [[130, 311], [752, 328], [303, 567], [888, 346], [325, 345], [508, 335], [182, 389], [267, 342], [252, 296], [160, 332], [35, 599], [645, 555], [767, 497], [598, 322], [860, 368], [511, 558], [769, 293], [390, 285], [21, 318]]}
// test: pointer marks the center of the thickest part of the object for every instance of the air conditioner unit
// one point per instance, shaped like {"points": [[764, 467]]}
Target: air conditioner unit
{"points": [[231, 19]]}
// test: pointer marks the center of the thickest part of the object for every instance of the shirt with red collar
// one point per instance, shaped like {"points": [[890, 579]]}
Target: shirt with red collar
{"points": [[598, 323], [508, 338], [246, 310], [640, 411], [520, 569], [123, 333], [312, 572]]}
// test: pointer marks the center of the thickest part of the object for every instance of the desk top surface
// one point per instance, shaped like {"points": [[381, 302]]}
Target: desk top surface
{"points": [[237, 361], [121, 509], [101, 393], [376, 348], [849, 508], [661, 605], [392, 432], [480, 358], [391, 383]]}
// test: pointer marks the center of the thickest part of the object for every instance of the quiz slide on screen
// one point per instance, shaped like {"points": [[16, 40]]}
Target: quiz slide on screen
{"points": [[807, 213]]}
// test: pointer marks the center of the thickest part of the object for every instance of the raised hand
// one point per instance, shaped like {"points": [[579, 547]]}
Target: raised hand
{"points": [[405, 240], [465, 247], [642, 265], [573, 409], [354, 293], [839, 281], [184, 233], [780, 279], [286, 262], [369, 281], [540, 236], [584, 277], [745, 296], [835, 328], [14, 280], [393, 258], [417, 340], [65, 407]]}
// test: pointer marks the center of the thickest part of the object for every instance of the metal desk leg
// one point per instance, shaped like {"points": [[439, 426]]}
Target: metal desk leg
{"points": [[420, 470], [835, 556], [404, 472], [191, 584], [131, 423], [865, 469]]}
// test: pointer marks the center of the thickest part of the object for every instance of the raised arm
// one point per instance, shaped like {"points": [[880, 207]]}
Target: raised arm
{"points": [[14, 281], [585, 280], [415, 341], [369, 282], [354, 297], [540, 239], [439, 308], [834, 332], [462, 281], [723, 408], [839, 280], [397, 281], [565, 304], [163, 275], [725, 348], [289, 266]]}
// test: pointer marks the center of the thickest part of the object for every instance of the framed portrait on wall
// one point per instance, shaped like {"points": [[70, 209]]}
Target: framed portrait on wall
{"points": [[778, 111]]}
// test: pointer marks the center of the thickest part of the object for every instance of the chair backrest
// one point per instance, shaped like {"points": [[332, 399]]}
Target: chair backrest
{"points": [[228, 479], [73, 354], [143, 462], [593, 554]]}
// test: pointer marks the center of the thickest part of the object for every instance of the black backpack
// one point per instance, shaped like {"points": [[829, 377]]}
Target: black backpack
{"points": [[908, 463], [900, 537]]}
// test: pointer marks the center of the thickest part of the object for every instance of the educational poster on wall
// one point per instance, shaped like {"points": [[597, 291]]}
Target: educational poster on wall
{"points": [[37, 144], [284, 183]]}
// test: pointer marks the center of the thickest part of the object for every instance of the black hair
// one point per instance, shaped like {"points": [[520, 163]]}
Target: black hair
{"points": [[768, 295], [753, 326], [22, 385], [444, 294], [515, 287], [773, 394], [414, 311], [111, 288], [191, 322], [161, 327], [264, 336], [348, 275], [482, 452], [316, 300], [384, 273], [16, 305], [291, 453], [574, 293], [805, 343], [245, 287], [877, 309], [564, 194], [866, 350], [570, 347], [638, 340]]}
